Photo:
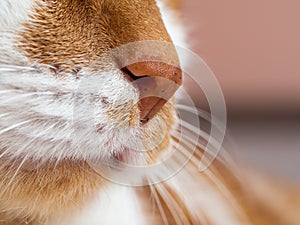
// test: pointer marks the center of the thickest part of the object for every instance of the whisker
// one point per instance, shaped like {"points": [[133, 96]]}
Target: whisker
{"points": [[15, 174], [199, 133], [159, 204], [15, 126], [11, 68], [27, 94], [170, 203], [6, 175], [194, 110], [214, 144], [4, 114], [19, 97], [187, 152], [180, 206]]}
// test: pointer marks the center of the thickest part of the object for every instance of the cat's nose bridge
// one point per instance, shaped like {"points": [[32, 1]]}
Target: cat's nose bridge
{"points": [[157, 82]]}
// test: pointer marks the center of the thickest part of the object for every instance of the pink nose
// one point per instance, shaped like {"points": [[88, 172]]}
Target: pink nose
{"points": [[156, 91]]}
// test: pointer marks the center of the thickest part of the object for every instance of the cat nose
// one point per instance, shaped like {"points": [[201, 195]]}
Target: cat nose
{"points": [[157, 82]]}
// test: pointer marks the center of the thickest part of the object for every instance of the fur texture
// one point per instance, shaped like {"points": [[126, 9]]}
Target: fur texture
{"points": [[66, 109]]}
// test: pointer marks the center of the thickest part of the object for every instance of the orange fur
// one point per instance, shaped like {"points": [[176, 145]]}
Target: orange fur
{"points": [[79, 31], [47, 191]]}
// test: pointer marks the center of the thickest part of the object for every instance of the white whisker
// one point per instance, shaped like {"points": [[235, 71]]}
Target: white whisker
{"points": [[14, 68], [15, 174], [159, 204], [170, 203], [196, 111], [15, 126], [4, 114]]}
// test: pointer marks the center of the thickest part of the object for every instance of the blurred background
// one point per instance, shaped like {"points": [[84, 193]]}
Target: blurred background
{"points": [[253, 48]]}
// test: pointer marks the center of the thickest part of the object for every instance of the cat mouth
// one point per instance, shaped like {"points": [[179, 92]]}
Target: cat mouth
{"points": [[156, 82]]}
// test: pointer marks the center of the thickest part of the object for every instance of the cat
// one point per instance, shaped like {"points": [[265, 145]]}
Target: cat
{"points": [[58, 168]]}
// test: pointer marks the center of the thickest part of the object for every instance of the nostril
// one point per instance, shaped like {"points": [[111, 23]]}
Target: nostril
{"points": [[143, 83], [129, 75]]}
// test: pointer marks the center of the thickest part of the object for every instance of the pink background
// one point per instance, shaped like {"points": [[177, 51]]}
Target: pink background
{"points": [[253, 48]]}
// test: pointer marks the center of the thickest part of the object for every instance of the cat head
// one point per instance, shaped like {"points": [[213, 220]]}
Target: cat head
{"points": [[74, 75]]}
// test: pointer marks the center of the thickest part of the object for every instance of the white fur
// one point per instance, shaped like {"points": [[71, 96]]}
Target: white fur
{"points": [[13, 13], [114, 205]]}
